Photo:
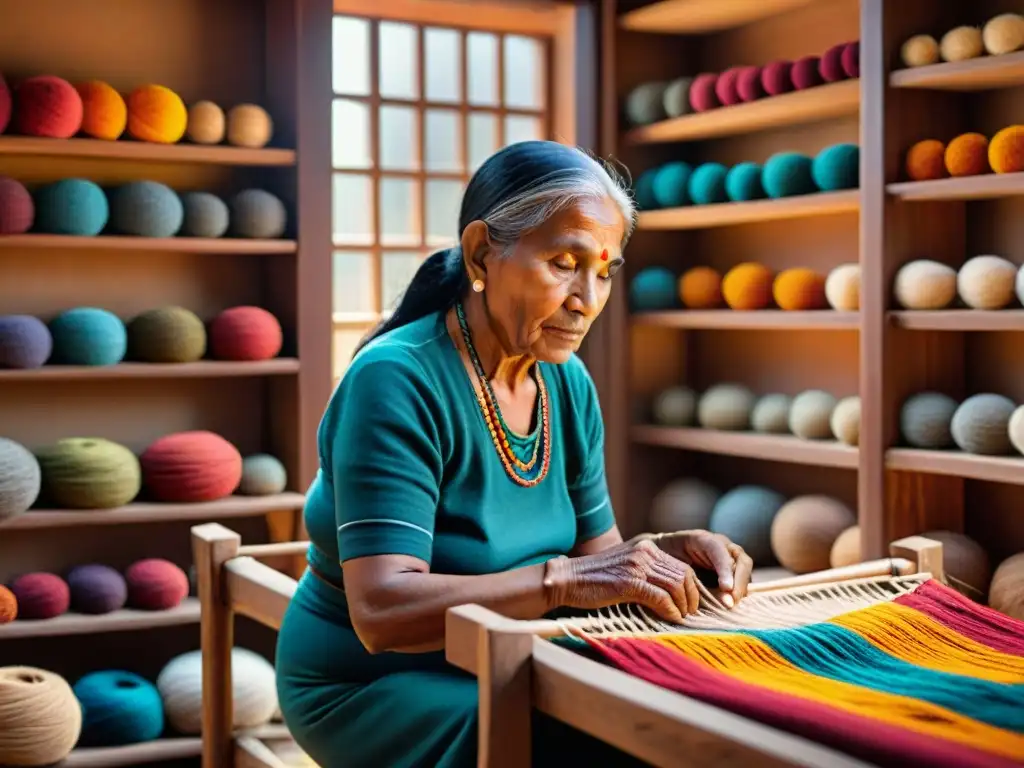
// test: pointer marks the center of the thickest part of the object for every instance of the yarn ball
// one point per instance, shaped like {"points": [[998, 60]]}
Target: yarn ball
{"points": [[40, 595], [683, 505], [1019, 287], [845, 420], [245, 333], [967, 155], [104, 113], [206, 123], [262, 475], [926, 160], [40, 718], [799, 289], [146, 209], [788, 173], [986, 282], [770, 414], [920, 51], [980, 424], [250, 126], [745, 515], [652, 288], [1015, 429], [804, 530], [850, 59], [810, 415], [701, 288], [671, 184], [645, 104], [725, 87], [806, 73], [846, 548], [674, 407], [8, 606], [776, 79], [205, 215], [20, 479], [155, 585], [643, 190], [118, 708], [702, 92], [190, 467], [17, 210], [676, 99], [253, 691], [156, 114], [743, 182], [88, 473], [5, 104], [965, 562], [831, 64], [842, 288], [726, 407], [1003, 34], [748, 84], [47, 106], [256, 213], [925, 284], [88, 336], [1006, 591], [747, 286], [707, 184], [96, 589], [1006, 150], [167, 335], [71, 207], [961, 43], [926, 420], [837, 167], [25, 342]]}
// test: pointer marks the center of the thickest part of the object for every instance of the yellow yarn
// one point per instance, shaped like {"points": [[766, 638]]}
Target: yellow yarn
{"points": [[40, 718]]}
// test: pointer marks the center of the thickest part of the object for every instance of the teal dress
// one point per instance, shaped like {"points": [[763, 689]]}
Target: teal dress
{"points": [[407, 467]]}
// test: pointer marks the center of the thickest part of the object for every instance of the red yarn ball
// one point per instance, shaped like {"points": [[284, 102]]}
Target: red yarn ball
{"points": [[155, 585], [725, 88], [245, 333], [702, 93], [806, 72], [47, 106], [831, 64], [41, 595], [748, 84], [8, 605], [190, 467], [775, 77], [850, 59], [5, 104], [17, 211]]}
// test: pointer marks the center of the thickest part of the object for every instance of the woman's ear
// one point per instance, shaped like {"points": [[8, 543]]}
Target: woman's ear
{"points": [[475, 248]]}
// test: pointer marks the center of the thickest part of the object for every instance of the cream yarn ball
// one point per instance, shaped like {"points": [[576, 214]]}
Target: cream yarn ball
{"points": [[986, 282], [920, 51], [925, 284], [253, 690], [1003, 34], [810, 416], [1020, 285], [842, 288], [961, 44], [845, 420], [1016, 429]]}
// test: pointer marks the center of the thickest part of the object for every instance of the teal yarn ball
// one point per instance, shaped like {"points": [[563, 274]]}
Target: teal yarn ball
{"points": [[118, 708], [837, 167], [653, 288], [88, 336], [707, 184], [743, 182], [745, 516], [71, 207], [671, 184], [146, 209], [787, 174], [643, 191]]}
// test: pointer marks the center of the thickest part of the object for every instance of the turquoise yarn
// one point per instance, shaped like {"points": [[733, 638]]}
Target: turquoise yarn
{"points": [[787, 174], [671, 183], [707, 184], [837, 167], [743, 182], [643, 190], [71, 207], [745, 515], [653, 288], [88, 336], [118, 708]]}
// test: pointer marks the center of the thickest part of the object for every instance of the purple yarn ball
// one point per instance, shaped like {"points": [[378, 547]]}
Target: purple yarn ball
{"points": [[25, 342], [96, 589]]}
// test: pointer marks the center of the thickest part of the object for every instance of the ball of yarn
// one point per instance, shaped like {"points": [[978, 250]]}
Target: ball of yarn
{"points": [[926, 420], [676, 99], [47, 106], [725, 406], [986, 282], [20, 479], [5, 104], [920, 51], [41, 596], [256, 213], [253, 691], [118, 708], [925, 284], [707, 184], [1006, 592], [675, 407], [146, 209], [748, 84], [1015, 431], [961, 43], [980, 424], [743, 182], [837, 167], [786, 174], [89, 473], [25, 342], [645, 104], [725, 87], [845, 420], [156, 114], [806, 73], [799, 289], [1019, 284], [770, 414], [926, 160], [682, 505], [804, 530], [245, 333], [17, 210], [155, 585], [775, 77], [189, 467], [671, 184], [262, 475], [167, 335], [205, 123], [747, 286], [71, 207], [40, 718], [842, 288], [965, 562], [701, 288], [104, 113], [249, 125], [643, 190], [652, 288], [967, 155], [1003, 34], [204, 215], [846, 548], [702, 92], [8, 606], [96, 589], [810, 415], [88, 336], [1006, 150], [831, 64], [850, 59], [745, 516]]}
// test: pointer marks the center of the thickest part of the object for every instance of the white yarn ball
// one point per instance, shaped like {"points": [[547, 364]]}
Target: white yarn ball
{"points": [[253, 686], [1020, 285]]}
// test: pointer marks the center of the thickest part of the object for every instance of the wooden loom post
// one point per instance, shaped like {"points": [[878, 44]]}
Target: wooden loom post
{"points": [[927, 553]]}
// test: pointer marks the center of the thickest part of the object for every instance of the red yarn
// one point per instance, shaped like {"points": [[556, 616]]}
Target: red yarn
{"points": [[806, 72], [5, 104], [775, 77], [41, 595], [245, 333], [8, 605], [17, 211], [155, 585], [725, 88], [47, 106], [702, 92], [190, 467], [850, 59], [748, 84], [831, 65]]}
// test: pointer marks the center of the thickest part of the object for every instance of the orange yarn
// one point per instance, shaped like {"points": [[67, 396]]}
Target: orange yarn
{"points": [[925, 160], [701, 288], [799, 289], [156, 114], [1006, 150], [8, 605], [104, 113], [967, 155], [747, 286]]}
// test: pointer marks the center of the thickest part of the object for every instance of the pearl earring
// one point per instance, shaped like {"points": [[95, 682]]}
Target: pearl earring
{"points": [[478, 286]]}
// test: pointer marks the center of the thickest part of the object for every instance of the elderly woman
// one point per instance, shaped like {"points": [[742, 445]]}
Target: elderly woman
{"points": [[462, 461]]}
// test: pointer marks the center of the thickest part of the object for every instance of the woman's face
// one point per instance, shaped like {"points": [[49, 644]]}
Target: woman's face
{"points": [[545, 294]]}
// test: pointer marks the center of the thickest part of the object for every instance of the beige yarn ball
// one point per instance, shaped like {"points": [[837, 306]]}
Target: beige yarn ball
{"points": [[965, 562], [981, 425], [846, 548], [845, 421], [805, 529], [770, 414], [1006, 592], [250, 126], [920, 51], [725, 406], [810, 417], [1016, 429], [925, 284], [842, 288], [986, 282], [205, 123], [1003, 34], [682, 505], [1020, 285], [961, 43], [674, 407], [40, 718]]}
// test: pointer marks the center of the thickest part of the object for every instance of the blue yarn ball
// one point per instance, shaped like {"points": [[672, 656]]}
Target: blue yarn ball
{"points": [[745, 516], [837, 167], [707, 184], [671, 184], [743, 182], [71, 207], [643, 190], [118, 708], [653, 288], [787, 174], [146, 209], [88, 336]]}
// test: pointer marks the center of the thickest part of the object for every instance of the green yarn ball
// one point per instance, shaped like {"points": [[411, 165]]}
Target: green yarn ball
{"points": [[743, 182], [671, 182], [837, 167], [707, 184], [643, 190], [262, 475], [71, 207], [88, 336], [89, 473], [167, 335], [653, 288], [787, 174]]}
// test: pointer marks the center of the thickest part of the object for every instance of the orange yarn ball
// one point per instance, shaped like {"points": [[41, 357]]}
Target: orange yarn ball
{"points": [[701, 288], [1006, 150], [156, 114], [747, 286], [105, 115], [799, 289], [8, 605], [926, 160], [967, 155]]}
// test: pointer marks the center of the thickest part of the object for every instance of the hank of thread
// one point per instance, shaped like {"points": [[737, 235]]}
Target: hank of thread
{"points": [[40, 718]]}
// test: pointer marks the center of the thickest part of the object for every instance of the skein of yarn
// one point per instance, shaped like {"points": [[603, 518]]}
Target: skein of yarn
{"points": [[40, 718]]}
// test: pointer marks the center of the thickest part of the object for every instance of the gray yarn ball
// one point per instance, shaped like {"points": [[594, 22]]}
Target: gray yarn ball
{"points": [[146, 209], [644, 104], [25, 342], [676, 99], [206, 215], [20, 478], [255, 213], [262, 475], [925, 420], [981, 425], [745, 515], [675, 407], [771, 414]]}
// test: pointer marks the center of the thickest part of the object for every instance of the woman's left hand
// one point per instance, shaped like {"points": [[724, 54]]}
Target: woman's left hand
{"points": [[714, 552]]}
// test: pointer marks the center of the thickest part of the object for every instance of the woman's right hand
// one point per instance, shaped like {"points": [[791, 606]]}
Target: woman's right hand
{"points": [[626, 573]]}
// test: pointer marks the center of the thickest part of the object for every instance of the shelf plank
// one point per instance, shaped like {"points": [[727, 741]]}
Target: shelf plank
{"points": [[126, 620], [796, 108], [724, 214], [232, 245], [959, 320], [203, 369], [136, 151], [702, 16], [985, 73], [996, 469], [751, 445], [984, 187], [152, 512], [159, 751], [764, 320]]}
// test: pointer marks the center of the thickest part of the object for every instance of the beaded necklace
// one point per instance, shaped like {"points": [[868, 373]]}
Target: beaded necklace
{"points": [[519, 471]]}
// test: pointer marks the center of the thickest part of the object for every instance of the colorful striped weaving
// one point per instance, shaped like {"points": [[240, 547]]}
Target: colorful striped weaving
{"points": [[929, 679]]}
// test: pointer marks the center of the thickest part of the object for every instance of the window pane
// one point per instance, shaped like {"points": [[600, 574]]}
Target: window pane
{"points": [[351, 55], [352, 282], [524, 73], [399, 212], [399, 150], [482, 52], [350, 134], [399, 78], [397, 269], [520, 128], [443, 201], [353, 209], [483, 138], [444, 140], [443, 60], [345, 343]]}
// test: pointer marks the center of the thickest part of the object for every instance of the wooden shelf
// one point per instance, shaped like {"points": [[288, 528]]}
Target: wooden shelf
{"points": [[147, 753], [751, 445], [126, 620], [959, 320], [234, 245], [798, 107], [702, 16], [985, 187], [151, 512], [981, 74], [136, 150], [724, 214], [764, 320], [996, 469], [203, 369]]}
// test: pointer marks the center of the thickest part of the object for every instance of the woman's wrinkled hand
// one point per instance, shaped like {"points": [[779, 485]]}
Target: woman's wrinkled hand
{"points": [[713, 552]]}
